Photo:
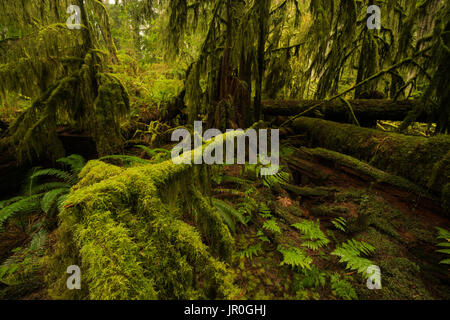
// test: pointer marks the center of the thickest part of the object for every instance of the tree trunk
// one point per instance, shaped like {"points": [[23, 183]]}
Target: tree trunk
{"points": [[423, 161], [325, 167], [264, 8], [365, 110]]}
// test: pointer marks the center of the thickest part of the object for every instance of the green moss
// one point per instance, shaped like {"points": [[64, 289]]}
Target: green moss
{"points": [[413, 158], [328, 211], [385, 246], [400, 276], [129, 239], [378, 176], [210, 223], [96, 171], [355, 196], [401, 280]]}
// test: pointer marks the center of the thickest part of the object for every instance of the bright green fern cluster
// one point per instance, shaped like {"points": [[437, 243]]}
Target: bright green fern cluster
{"points": [[444, 235], [295, 257], [312, 234], [45, 191], [350, 253], [272, 225]]}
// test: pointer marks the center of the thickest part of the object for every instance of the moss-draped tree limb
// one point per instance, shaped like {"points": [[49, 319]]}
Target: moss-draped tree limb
{"points": [[65, 72]]}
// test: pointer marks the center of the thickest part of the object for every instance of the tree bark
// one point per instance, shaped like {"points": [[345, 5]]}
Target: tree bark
{"points": [[366, 111], [426, 162]]}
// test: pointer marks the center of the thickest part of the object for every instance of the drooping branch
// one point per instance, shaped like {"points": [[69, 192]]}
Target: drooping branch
{"points": [[343, 93]]}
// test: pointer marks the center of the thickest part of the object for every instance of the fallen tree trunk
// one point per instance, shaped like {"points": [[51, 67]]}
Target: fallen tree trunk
{"points": [[360, 169], [426, 162], [127, 230], [366, 111], [338, 168]]}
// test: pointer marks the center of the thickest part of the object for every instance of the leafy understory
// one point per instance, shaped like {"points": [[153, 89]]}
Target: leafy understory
{"points": [[312, 234], [444, 235], [350, 253], [46, 189], [363, 172], [295, 257]]}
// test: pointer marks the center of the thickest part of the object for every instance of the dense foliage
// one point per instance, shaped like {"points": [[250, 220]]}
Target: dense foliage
{"points": [[364, 118]]}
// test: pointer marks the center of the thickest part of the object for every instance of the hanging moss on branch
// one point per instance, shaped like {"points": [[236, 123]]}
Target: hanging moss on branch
{"points": [[65, 72]]}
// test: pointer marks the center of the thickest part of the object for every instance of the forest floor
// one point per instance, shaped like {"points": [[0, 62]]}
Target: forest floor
{"points": [[400, 226]]}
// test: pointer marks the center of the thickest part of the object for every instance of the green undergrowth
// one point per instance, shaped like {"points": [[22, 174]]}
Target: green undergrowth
{"points": [[163, 231], [322, 250]]}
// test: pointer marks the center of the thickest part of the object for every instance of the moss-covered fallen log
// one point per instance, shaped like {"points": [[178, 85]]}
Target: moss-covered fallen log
{"points": [[423, 161], [365, 111], [320, 192], [146, 232], [360, 169]]}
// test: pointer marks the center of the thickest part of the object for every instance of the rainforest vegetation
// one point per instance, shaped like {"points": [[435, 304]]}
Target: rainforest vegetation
{"points": [[91, 92]]}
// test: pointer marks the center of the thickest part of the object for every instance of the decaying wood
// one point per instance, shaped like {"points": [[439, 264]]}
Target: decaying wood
{"points": [[425, 162], [336, 168], [366, 111]]}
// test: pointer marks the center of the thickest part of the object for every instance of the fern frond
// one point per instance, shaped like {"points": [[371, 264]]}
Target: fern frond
{"points": [[312, 234], [443, 234], [75, 162], [227, 211], [49, 199], [315, 245], [272, 181], [7, 202], [445, 261], [39, 239], [56, 173], [311, 278], [262, 237], [340, 224], [342, 288], [251, 251], [264, 211], [60, 202], [295, 257], [350, 253], [45, 187], [26, 205], [272, 225]]}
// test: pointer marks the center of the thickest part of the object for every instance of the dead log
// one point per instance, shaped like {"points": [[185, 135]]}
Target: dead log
{"points": [[350, 172], [321, 192], [366, 111], [423, 161], [362, 170]]}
